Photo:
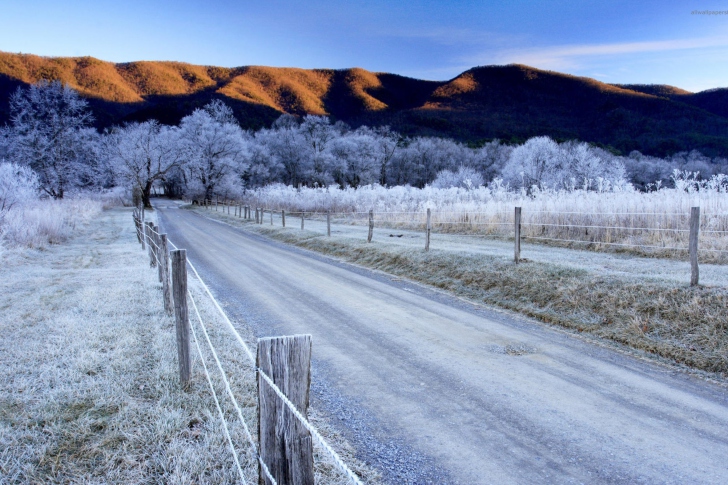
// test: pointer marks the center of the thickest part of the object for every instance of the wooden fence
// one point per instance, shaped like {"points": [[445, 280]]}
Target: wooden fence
{"points": [[561, 233], [284, 445]]}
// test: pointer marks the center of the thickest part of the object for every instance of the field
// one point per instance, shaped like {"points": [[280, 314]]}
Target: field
{"points": [[89, 391], [651, 224]]}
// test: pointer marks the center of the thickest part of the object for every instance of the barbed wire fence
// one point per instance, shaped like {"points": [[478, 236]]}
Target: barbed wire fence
{"points": [[283, 449]]}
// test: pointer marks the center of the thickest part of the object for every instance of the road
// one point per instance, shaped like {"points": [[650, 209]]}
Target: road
{"points": [[431, 389]]}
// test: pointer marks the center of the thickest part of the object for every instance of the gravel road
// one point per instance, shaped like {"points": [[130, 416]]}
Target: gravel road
{"points": [[431, 389]]}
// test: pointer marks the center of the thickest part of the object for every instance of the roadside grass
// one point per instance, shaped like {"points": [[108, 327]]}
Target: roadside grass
{"points": [[687, 326], [89, 389]]}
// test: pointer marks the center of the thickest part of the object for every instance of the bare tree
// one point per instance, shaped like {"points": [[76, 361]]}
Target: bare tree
{"points": [[51, 134], [214, 147], [144, 153]]}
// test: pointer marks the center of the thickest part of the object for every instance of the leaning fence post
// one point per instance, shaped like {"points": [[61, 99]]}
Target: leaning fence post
{"points": [[328, 223], [694, 231], [285, 443], [371, 226], [164, 263], [428, 229], [181, 316], [283, 218], [517, 244]]}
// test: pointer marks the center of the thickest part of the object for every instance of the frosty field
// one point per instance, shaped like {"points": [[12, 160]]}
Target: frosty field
{"points": [[89, 388]]}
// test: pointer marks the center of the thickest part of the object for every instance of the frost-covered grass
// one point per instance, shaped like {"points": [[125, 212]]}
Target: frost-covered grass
{"points": [[39, 223], [663, 317], [89, 388], [653, 222]]}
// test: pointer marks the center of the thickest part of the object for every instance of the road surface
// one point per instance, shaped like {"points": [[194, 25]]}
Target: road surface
{"points": [[431, 389]]}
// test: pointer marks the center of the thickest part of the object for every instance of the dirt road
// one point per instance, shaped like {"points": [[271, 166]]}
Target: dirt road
{"points": [[431, 389]]}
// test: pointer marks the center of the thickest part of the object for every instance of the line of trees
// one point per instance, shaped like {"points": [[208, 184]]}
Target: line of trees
{"points": [[208, 155]]}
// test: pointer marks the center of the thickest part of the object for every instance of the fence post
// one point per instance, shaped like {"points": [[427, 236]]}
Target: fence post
{"points": [[181, 316], [257, 214], [328, 223], [428, 229], [271, 217], [283, 218], [164, 263], [157, 251], [142, 234], [517, 239], [150, 246], [371, 226], [694, 231], [302, 216], [285, 443]]}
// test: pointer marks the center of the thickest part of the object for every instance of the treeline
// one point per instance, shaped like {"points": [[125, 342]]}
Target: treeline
{"points": [[208, 155]]}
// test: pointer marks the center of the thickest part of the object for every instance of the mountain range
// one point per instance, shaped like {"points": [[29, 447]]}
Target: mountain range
{"points": [[511, 102]]}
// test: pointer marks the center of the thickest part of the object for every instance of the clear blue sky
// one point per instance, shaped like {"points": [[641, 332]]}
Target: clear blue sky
{"points": [[611, 40]]}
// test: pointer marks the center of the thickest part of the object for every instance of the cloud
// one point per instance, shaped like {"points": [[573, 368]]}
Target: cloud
{"points": [[572, 56]]}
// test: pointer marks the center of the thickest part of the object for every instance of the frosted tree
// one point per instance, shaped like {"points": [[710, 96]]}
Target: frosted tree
{"points": [[318, 133], [214, 148], [535, 163], [464, 178], [143, 154], [51, 134]]}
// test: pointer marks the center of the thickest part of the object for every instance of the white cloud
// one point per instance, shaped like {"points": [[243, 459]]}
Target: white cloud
{"points": [[572, 56]]}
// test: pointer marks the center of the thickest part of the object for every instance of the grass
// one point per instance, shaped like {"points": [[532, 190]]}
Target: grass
{"points": [[684, 325], [89, 389]]}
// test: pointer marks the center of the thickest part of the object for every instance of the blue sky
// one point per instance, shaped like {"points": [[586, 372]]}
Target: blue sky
{"points": [[613, 41]]}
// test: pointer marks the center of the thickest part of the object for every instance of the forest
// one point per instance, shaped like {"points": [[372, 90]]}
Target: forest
{"points": [[51, 148]]}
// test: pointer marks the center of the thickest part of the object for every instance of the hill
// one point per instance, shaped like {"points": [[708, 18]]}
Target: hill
{"points": [[511, 102]]}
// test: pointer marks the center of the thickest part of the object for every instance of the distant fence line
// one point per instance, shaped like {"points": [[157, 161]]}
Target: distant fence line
{"points": [[284, 448], [647, 233]]}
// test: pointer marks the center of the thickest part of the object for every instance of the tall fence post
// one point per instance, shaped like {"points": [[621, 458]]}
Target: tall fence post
{"points": [[181, 315], [271, 217], [328, 223], [257, 214], [164, 263], [150, 245], [428, 229], [371, 226], [694, 231], [283, 218], [517, 239], [285, 444], [302, 216], [157, 251]]}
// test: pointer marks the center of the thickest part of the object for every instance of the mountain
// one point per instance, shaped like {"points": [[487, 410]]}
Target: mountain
{"points": [[510, 102]]}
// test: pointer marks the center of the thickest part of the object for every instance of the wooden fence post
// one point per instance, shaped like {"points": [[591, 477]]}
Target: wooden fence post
{"points": [[150, 245], [517, 244], [271, 217], [157, 251], [285, 444], [694, 231], [328, 223], [164, 263], [302, 216], [257, 214], [371, 226], [283, 218], [142, 232], [181, 315], [428, 229]]}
